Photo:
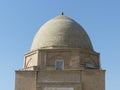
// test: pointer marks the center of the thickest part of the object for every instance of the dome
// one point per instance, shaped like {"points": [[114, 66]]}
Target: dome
{"points": [[59, 33]]}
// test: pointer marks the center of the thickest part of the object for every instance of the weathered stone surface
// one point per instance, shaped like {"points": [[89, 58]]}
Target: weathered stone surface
{"points": [[61, 39], [25, 80], [73, 58], [61, 32], [76, 79]]}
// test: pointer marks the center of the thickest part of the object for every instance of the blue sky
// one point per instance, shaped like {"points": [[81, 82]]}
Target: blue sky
{"points": [[21, 19]]}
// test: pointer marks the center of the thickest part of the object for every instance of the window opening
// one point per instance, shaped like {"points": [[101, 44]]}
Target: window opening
{"points": [[59, 64]]}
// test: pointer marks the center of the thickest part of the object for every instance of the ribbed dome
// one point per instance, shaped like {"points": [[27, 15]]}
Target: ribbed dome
{"points": [[61, 32]]}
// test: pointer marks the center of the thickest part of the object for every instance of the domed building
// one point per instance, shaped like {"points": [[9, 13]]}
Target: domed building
{"points": [[61, 58]]}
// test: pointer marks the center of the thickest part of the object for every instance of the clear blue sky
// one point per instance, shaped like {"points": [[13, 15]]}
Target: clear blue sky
{"points": [[21, 19]]}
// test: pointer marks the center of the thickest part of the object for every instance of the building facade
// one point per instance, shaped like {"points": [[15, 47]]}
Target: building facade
{"points": [[61, 58]]}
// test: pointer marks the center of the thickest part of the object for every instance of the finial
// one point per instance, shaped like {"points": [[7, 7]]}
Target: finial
{"points": [[62, 13]]}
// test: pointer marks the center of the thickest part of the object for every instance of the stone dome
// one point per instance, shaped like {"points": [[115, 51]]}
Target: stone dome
{"points": [[59, 33]]}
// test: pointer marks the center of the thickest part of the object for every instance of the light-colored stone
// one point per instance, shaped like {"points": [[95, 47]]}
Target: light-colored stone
{"points": [[61, 39], [61, 32]]}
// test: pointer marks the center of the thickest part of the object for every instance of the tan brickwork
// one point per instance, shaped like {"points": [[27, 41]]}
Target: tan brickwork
{"points": [[61, 39], [78, 79], [25, 80]]}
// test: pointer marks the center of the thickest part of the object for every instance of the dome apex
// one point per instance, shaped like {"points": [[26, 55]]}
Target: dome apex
{"points": [[61, 32]]}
